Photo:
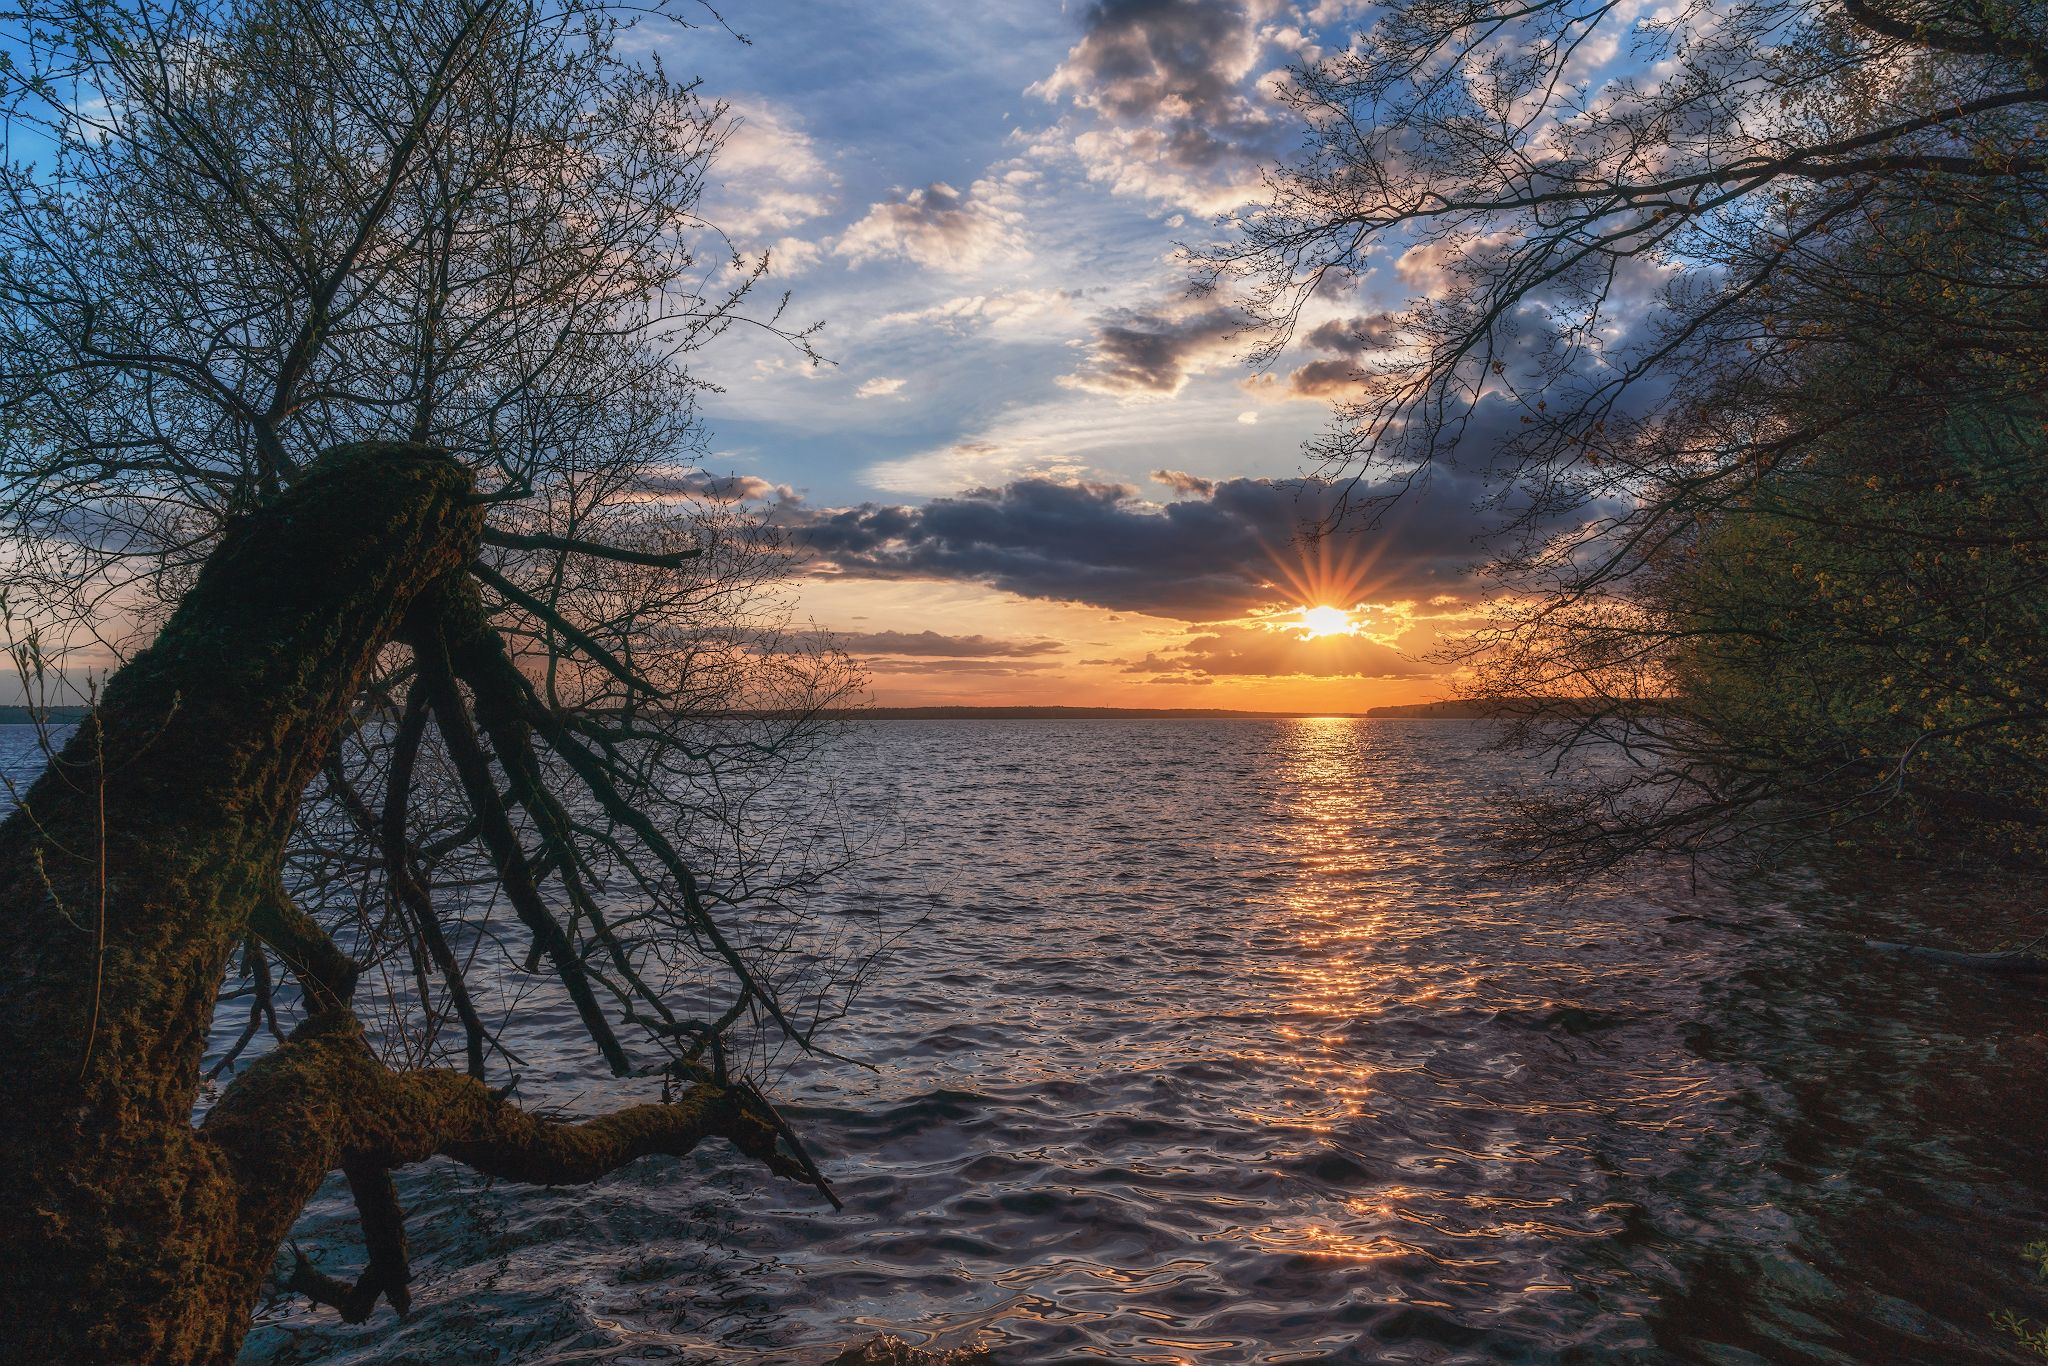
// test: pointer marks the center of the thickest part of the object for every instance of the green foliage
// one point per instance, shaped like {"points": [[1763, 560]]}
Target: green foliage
{"points": [[1873, 618], [1770, 338], [2032, 1338]]}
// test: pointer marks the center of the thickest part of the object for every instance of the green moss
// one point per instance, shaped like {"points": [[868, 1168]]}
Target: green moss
{"points": [[132, 1237]]}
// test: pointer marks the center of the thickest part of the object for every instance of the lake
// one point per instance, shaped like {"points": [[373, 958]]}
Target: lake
{"points": [[1219, 1044]]}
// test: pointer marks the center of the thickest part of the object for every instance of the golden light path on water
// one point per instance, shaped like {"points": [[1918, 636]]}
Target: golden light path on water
{"points": [[1215, 1043], [1351, 912], [1211, 1053]]}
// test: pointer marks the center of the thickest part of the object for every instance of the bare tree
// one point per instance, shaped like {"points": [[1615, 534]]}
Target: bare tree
{"points": [[1687, 276], [344, 396]]}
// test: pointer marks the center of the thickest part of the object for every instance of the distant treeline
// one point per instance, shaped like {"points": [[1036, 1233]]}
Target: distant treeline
{"points": [[1070, 714], [1461, 709], [1464, 709], [49, 716], [1509, 708]]}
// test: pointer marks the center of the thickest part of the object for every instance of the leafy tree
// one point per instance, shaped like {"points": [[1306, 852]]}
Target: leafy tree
{"points": [[1700, 283], [343, 390]]}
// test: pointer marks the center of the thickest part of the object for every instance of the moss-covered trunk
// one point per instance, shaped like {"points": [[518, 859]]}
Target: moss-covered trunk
{"points": [[131, 872]]}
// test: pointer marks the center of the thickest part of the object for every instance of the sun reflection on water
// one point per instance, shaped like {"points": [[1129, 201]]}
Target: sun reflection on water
{"points": [[1217, 1048], [1370, 991]]}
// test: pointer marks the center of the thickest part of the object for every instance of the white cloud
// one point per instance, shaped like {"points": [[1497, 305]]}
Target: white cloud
{"points": [[879, 387], [770, 178], [794, 255], [1061, 438], [1014, 310], [941, 228], [780, 364], [682, 483]]}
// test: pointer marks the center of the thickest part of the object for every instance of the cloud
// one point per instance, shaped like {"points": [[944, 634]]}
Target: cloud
{"points": [[941, 228], [997, 311], [1262, 651], [1138, 353], [1055, 436], [794, 255], [1181, 482], [932, 645], [770, 178], [1141, 57], [879, 387], [678, 482], [984, 667], [1356, 336], [1348, 341], [1171, 100], [1317, 379], [1232, 550]]}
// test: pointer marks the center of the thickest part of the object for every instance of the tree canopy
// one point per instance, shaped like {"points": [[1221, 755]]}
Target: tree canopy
{"points": [[1701, 290], [270, 265]]}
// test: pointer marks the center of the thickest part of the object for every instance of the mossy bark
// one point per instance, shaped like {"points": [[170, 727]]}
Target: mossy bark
{"points": [[131, 871], [136, 865]]}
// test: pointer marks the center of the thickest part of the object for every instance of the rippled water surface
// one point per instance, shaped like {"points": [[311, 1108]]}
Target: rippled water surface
{"points": [[1215, 1048]]}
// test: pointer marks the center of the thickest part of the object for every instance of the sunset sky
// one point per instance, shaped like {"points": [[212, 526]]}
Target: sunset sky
{"points": [[1038, 470]]}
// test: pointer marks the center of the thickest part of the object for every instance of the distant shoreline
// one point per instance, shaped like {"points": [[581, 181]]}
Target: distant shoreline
{"points": [[11, 715], [1407, 711]]}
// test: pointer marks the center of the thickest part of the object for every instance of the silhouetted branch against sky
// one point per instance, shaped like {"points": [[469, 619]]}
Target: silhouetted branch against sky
{"points": [[1576, 235], [1787, 258], [247, 233], [989, 210]]}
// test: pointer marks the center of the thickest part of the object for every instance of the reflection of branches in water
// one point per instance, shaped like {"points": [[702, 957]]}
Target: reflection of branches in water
{"points": [[695, 1279], [709, 1286]]}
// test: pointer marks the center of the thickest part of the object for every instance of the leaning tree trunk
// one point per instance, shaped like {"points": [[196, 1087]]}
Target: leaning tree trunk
{"points": [[132, 870]]}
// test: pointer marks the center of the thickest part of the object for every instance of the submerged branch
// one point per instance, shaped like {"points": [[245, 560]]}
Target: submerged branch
{"points": [[365, 1119]]}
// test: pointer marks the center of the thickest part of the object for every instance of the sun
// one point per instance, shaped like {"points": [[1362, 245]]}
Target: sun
{"points": [[1317, 622]]}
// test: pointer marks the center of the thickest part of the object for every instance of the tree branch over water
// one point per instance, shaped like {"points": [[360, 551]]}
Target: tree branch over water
{"points": [[1749, 351], [344, 369]]}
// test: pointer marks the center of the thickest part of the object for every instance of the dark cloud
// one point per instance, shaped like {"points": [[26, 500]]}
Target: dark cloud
{"points": [[932, 645], [1139, 352], [1348, 341], [1323, 379], [1171, 86], [1355, 336], [1138, 57], [1200, 559]]}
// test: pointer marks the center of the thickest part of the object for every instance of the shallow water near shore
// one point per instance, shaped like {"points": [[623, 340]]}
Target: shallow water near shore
{"points": [[1217, 1047]]}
